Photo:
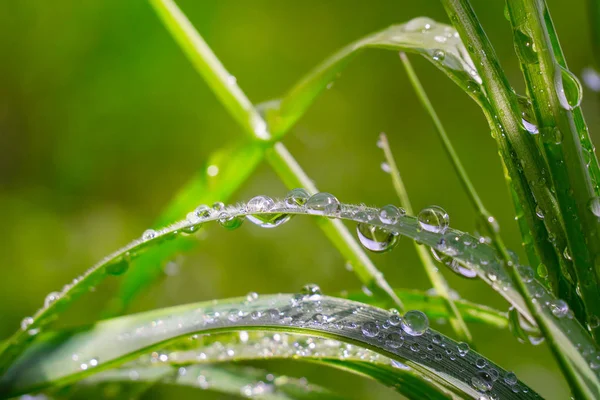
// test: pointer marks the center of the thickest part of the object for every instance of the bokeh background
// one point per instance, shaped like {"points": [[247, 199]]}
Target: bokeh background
{"points": [[102, 119]]}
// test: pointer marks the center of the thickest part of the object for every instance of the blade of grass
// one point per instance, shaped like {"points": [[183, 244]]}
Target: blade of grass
{"points": [[230, 380], [435, 277], [50, 360], [502, 99], [281, 160], [561, 144]]}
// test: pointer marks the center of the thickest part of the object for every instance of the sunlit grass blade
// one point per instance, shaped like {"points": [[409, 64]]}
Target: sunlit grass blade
{"points": [[279, 157], [220, 176], [437, 42], [435, 277], [113, 342], [230, 379]]}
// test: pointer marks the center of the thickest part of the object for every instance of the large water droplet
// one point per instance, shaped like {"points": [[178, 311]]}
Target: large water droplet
{"points": [[434, 219], [297, 197], [148, 234], [262, 204], [568, 88], [525, 47], [454, 265], [230, 221], [527, 115], [323, 203], [376, 239], [559, 308], [415, 323], [390, 214], [118, 267], [482, 381], [370, 329], [203, 211], [594, 206]]}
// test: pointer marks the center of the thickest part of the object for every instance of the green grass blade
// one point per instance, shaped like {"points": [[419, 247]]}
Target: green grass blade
{"points": [[221, 175], [114, 342], [570, 163], [233, 380], [420, 35], [435, 277], [208, 65], [280, 159]]}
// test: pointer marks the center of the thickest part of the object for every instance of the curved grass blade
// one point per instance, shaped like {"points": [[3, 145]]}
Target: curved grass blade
{"points": [[113, 342], [256, 345], [466, 249], [437, 42], [220, 176], [225, 379]]}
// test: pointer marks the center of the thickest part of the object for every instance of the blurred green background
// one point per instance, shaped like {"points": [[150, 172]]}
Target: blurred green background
{"points": [[102, 119]]}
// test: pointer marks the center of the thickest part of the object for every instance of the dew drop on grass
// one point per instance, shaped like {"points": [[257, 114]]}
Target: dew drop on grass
{"points": [[323, 203], [568, 88], [148, 234], [376, 239], [594, 206], [438, 55], [390, 214], [252, 296], [463, 349], [527, 116], [370, 329], [480, 363], [218, 206], [394, 340], [51, 298], [454, 265], [203, 211], [261, 204], [559, 308], [118, 266], [542, 271], [230, 221], [385, 167], [482, 381], [415, 323], [434, 219], [510, 378], [26, 323], [297, 197], [419, 24], [525, 47]]}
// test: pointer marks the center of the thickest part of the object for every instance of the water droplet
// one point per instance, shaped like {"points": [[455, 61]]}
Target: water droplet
{"points": [[51, 298], [594, 206], [203, 211], [385, 167], [230, 221], [415, 323], [542, 271], [148, 234], [311, 291], [26, 322], [118, 266], [568, 88], [567, 254], [510, 378], [463, 349], [438, 55], [394, 340], [262, 204], [252, 296], [480, 363], [559, 308], [482, 381], [527, 115], [525, 47], [218, 206], [323, 203], [419, 24], [376, 239], [297, 197], [390, 214], [370, 329], [539, 213], [434, 219]]}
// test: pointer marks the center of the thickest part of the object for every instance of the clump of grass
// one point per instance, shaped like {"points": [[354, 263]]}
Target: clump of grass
{"points": [[551, 170]]}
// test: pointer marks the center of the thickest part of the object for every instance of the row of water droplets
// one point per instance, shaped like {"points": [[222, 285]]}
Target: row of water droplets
{"points": [[407, 336]]}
